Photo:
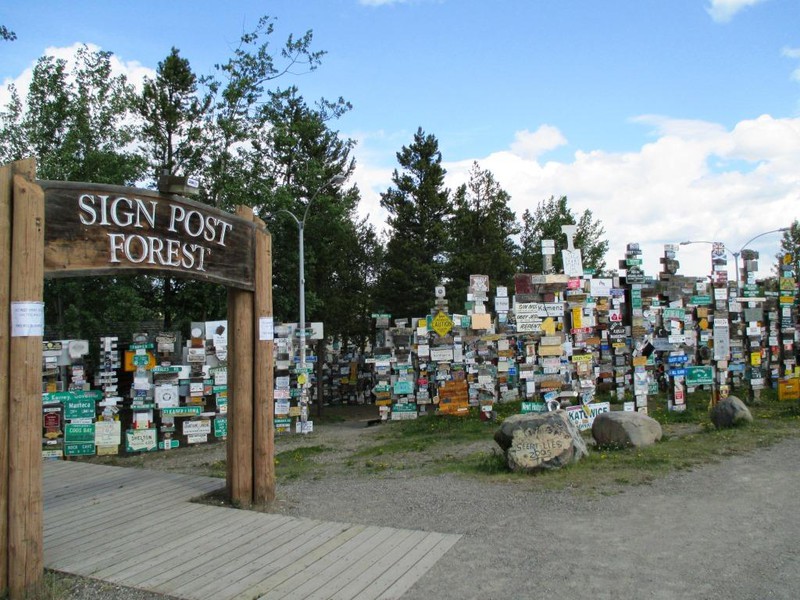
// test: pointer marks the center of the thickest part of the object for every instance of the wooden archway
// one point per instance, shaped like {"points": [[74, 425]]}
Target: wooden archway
{"points": [[53, 229]]}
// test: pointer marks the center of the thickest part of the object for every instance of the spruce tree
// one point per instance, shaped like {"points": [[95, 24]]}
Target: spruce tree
{"points": [[419, 208]]}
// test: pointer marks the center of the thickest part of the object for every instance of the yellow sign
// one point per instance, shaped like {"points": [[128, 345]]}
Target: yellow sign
{"points": [[128, 363], [577, 318], [442, 324], [549, 326], [301, 379]]}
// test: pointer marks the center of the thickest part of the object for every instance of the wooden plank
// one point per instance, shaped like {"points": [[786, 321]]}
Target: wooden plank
{"points": [[142, 500], [82, 530], [214, 555], [240, 391], [237, 524], [353, 579], [25, 525], [416, 570], [259, 559], [263, 408], [95, 545], [217, 553], [303, 577]]}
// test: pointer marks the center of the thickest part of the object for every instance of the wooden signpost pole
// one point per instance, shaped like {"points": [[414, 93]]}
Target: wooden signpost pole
{"points": [[240, 390], [25, 518], [263, 408]]}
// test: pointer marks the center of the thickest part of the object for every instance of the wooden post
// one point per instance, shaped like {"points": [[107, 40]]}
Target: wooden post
{"points": [[26, 168], [240, 391], [263, 408], [25, 511], [6, 192]]}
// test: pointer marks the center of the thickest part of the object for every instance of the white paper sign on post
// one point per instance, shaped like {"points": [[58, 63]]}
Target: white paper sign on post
{"points": [[573, 264], [27, 319], [266, 331]]}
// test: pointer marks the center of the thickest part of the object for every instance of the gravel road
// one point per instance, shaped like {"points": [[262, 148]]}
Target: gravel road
{"points": [[726, 530]]}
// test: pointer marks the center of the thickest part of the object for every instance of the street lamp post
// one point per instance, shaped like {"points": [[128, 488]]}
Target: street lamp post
{"points": [[301, 224], [739, 252]]}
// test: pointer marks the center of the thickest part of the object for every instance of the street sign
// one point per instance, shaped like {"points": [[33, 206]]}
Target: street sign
{"points": [[442, 324], [699, 375]]}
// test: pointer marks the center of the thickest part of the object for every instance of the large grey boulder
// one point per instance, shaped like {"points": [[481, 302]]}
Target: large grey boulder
{"points": [[539, 441], [625, 429], [730, 412]]}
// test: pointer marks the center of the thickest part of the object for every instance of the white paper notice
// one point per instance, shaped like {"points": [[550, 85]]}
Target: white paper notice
{"points": [[27, 319], [266, 331], [573, 265]]}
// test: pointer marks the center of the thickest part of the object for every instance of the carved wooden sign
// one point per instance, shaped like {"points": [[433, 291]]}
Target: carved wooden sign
{"points": [[93, 229]]}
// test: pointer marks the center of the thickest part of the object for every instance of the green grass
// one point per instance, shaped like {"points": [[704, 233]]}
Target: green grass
{"points": [[689, 441], [296, 463]]}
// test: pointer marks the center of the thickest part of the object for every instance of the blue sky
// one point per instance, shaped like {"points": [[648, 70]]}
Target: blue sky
{"points": [[668, 119]]}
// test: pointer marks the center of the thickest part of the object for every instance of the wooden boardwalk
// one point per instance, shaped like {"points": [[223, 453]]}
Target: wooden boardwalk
{"points": [[137, 528]]}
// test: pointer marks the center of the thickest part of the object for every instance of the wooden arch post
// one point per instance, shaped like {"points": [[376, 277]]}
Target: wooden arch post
{"points": [[21, 332], [53, 229]]}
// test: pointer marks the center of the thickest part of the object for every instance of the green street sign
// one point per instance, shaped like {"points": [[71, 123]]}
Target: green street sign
{"points": [[79, 434], [674, 313], [141, 360], [75, 408], [181, 411], [533, 407], [699, 376], [220, 427], [82, 449], [701, 300]]}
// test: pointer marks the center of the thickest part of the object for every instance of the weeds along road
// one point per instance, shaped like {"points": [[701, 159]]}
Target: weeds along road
{"points": [[728, 530]]}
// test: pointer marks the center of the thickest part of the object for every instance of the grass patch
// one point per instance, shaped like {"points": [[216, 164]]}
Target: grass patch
{"points": [[298, 462], [608, 471]]}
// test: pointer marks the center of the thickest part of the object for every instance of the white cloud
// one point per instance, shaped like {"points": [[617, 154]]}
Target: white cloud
{"points": [[531, 145], [695, 181], [134, 70], [723, 11], [793, 53]]}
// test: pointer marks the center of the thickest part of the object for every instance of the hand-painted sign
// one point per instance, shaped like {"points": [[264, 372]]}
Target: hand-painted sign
{"points": [[98, 229], [583, 416], [140, 440]]}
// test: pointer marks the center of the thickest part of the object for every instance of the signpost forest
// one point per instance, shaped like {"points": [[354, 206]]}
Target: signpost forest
{"points": [[68, 229]]}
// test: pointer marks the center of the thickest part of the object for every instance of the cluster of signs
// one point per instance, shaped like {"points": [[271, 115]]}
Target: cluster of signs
{"points": [[566, 336], [142, 400]]}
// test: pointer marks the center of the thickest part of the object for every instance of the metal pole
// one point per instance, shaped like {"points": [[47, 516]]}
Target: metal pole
{"points": [[303, 389], [302, 296]]}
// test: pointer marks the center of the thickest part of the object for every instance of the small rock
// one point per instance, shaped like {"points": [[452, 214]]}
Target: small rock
{"points": [[625, 429], [730, 412], [538, 441]]}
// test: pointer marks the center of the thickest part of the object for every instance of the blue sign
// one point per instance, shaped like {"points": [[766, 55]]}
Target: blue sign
{"points": [[677, 359], [677, 372]]}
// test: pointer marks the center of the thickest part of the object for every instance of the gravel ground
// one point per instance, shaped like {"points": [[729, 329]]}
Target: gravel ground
{"points": [[724, 531]]}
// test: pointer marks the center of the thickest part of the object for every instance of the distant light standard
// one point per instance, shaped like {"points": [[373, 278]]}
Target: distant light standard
{"points": [[301, 224], [739, 252]]}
